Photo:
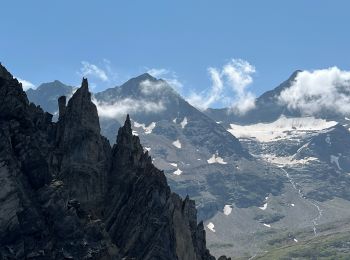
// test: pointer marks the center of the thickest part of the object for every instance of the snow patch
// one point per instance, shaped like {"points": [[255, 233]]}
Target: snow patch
{"points": [[135, 133], [286, 160], [211, 226], [280, 129], [227, 210], [295, 240], [148, 129], [292, 204], [177, 144], [216, 159], [178, 172], [174, 120], [147, 149], [173, 164], [335, 159], [267, 225], [264, 207], [184, 123]]}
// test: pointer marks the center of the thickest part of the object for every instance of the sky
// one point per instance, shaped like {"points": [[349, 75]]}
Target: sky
{"points": [[200, 46]]}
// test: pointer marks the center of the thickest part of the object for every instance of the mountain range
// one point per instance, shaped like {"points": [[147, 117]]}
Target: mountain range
{"points": [[262, 181]]}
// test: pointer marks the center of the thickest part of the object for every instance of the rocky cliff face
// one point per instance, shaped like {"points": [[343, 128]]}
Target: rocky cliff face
{"points": [[66, 194]]}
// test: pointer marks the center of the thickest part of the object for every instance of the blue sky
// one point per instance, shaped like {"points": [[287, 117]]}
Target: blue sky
{"points": [[46, 40]]}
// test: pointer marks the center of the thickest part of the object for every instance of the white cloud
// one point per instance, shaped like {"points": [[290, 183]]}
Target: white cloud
{"points": [[26, 84], [167, 75], [229, 87], [89, 69], [157, 73], [206, 98], [148, 87], [120, 108], [314, 91]]}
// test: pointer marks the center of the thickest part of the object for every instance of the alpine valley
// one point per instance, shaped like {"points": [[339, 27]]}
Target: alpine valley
{"points": [[272, 184]]}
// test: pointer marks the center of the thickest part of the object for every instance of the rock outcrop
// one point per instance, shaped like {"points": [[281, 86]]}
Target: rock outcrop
{"points": [[66, 194]]}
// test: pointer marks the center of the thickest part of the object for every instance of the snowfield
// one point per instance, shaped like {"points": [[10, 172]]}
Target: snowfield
{"points": [[280, 129]]}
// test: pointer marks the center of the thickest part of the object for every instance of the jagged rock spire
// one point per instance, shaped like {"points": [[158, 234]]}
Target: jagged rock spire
{"points": [[127, 124], [80, 112], [85, 84]]}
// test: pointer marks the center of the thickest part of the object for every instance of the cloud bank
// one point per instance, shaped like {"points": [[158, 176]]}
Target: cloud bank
{"points": [[315, 91], [148, 87], [120, 108], [229, 87]]}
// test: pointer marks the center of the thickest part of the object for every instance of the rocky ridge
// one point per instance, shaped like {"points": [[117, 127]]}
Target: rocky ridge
{"points": [[66, 194]]}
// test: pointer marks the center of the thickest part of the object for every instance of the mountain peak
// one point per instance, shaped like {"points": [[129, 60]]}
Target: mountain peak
{"points": [[145, 76], [81, 111], [85, 84], [294, 75]]}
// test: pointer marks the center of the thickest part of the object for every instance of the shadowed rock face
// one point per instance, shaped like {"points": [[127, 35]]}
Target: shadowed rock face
{"points": [[66, 194]]}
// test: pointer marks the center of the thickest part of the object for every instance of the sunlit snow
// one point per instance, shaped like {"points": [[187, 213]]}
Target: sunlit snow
{"points": [[184, 122], [267, 225], [264, 207], [286, 160], [227, 210], [177, 144], [216, 159], [173, 164], [280, 129], [335, 159], [178, 172], [211, 226]]}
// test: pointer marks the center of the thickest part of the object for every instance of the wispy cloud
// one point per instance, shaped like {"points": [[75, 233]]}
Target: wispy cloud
{"points": [[148, 87], [229, 88], [89, 69], [314, 91], [26, 84], [239, 75], [120, 108], [167, 75], [206, 98]]}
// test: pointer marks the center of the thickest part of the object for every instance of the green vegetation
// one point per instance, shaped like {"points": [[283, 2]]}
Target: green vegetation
{"points": [[328, 247]]}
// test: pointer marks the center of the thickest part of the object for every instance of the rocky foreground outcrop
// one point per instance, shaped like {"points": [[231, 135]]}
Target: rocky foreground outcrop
{"points": [[65, 193]]}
